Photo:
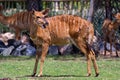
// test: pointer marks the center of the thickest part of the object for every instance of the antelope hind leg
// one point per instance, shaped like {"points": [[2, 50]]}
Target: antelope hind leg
{"points": [[94, 63], [90, 55], [83, 48], [43, 56]]}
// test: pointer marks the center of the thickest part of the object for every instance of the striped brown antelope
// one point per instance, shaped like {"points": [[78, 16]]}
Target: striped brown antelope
{"points": [[61, 30], [109, 29], [20, 21]]}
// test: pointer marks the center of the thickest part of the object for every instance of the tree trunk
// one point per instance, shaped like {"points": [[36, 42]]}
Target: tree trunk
{"points": [[34, 5], [108, 9], [91, 11]]}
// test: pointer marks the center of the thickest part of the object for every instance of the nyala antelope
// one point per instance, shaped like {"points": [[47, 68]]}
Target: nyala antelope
{"points": [[109, 29], [20, 21], [61, 30]]}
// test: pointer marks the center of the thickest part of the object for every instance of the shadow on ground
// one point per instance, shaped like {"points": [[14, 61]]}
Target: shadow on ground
{"points": [[52, 76]]}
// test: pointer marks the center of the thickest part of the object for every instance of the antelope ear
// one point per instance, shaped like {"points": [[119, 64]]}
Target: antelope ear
{"points": [[45, 12], [117, 16], [113, 14], [33, 11]]}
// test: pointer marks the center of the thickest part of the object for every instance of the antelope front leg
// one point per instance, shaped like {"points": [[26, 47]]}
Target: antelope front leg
{"points": [[105, 49], [43, 56], [36, 63], [114, 43], [111, 44]]}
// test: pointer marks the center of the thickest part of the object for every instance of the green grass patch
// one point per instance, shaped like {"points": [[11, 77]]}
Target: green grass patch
{"points": [[58, 68]]}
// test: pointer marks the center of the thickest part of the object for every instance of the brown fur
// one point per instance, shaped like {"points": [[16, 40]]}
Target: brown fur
{"points": [[19, 21], [61, 30], [109, 28]]}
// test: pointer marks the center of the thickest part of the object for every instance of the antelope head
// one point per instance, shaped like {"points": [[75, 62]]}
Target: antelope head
{"points": [[40, 18]]}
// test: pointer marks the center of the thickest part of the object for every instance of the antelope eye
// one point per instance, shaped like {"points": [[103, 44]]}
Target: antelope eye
{"points": [[38, 17]]}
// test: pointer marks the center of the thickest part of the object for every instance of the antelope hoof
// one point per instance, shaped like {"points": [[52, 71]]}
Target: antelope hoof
{"points": [[40, 75], [97, 74], [89, 74], [33, 75], [117, 56]]}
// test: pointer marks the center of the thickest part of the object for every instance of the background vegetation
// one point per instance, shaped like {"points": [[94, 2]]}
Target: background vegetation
{"points": [[97, 10]]}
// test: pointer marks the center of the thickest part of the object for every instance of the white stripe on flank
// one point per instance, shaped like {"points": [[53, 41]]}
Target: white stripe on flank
{"points": [[73, 42], [56, 25], [60, 27]]}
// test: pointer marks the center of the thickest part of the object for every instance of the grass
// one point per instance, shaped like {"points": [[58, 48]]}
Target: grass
{"points": [[58, 68]]}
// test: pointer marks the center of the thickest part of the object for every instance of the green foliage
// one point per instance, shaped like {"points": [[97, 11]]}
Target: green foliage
{"points": [[58, 67], [3, 28]]}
